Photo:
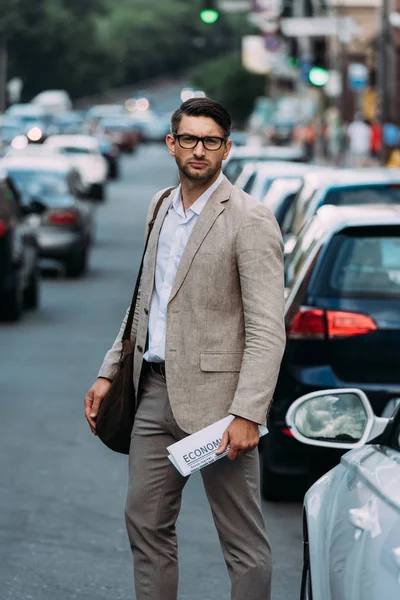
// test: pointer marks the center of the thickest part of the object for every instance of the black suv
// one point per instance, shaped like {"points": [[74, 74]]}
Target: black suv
{"points": [[19, 255], [342, 318]]}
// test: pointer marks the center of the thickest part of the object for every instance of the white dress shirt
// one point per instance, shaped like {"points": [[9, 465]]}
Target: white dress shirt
{"points": [[172, 241]]}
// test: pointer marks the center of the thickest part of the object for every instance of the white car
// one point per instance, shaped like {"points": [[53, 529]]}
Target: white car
{"points": [[84, 154], [53, 101], [352, 514]]}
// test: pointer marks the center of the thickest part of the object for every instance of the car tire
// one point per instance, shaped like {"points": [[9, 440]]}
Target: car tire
{"points": [[12, 304], [78, 266], [113, 172], [32, 292], [278, 487], [98, 192]]}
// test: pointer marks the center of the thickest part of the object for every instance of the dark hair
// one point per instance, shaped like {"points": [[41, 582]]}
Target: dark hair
{"points": [[202, 107]]}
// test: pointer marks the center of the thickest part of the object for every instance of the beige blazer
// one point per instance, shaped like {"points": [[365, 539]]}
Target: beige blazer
{"points": [[225, 325]]}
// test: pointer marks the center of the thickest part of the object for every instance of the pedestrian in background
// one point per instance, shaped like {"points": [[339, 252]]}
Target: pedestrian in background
{"points": [[376, 139], [359, 142], [209, 337]]}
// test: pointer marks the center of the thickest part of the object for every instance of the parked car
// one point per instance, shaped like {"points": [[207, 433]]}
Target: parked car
{"points": [[10, 128], [36, 123], [53, 101], [19, 255], [351, 516], [257, 177], [341, 187], [240, 155], [120, 131], [151, 126], [63, 224], [342, 316], [68, 122], [280, 196], [83, 151]]}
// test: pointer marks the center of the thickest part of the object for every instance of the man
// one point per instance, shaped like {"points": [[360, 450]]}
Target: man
{"points": [[359, 141], [209, 340]]}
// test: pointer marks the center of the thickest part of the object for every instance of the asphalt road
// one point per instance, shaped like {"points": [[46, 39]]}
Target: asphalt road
{"points": [[62, 532]]}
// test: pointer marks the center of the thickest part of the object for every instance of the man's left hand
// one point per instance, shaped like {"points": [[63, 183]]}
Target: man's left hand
{"points": [[241, 436]]}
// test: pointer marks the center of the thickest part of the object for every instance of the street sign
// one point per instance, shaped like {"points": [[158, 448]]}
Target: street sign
{"points": [[321, 26], [357, 76], [394, 19]]}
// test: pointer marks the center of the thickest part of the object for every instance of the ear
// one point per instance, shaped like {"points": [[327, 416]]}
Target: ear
{"points": [[170, 141], [228, 147]]}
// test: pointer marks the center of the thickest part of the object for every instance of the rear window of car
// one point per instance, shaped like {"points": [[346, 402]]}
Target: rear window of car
{"points": [[361, 262], [365, 194]]}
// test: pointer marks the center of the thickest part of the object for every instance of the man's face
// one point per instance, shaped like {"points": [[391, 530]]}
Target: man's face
{"points": [[198, 164]]}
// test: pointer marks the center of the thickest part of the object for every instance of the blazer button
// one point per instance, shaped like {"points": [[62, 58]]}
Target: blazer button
{"points": [[146, 312], [140, 348]]}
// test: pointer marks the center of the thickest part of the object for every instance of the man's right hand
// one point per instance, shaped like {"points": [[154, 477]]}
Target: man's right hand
{"points": [[94, 398]]}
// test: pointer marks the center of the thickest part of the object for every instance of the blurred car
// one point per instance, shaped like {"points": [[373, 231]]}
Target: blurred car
{"points": [[19, 255], [257, 177], [239, 138], [53, 101], [342, 316], [341, 187], [83, 152], [9, 129], [152, 127], [111, 154], [351, 516], [68, 122], [102, 111], [120, 131], [63, 224], [280, 196], [239, 156], [36, 123]]}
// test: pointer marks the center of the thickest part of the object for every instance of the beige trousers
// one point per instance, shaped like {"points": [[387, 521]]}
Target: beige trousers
{"points": [[154, 500]]}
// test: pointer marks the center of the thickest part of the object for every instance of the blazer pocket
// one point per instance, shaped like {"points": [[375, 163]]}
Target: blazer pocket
{"points": [[220, 361]]}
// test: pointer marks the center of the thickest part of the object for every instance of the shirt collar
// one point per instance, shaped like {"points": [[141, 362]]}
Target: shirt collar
{"points": [[200, 203]]}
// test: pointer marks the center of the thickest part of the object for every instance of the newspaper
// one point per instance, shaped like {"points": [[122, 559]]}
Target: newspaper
{"points": [[198, 450]]}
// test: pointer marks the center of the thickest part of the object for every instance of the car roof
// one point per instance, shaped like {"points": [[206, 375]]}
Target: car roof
{"points": [[335, 218], [252, 152], [78, 140], [346, 177], [37, 163], [272, 166]]}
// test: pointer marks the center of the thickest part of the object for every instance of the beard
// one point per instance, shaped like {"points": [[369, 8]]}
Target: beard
{"points": [[193, 174]]}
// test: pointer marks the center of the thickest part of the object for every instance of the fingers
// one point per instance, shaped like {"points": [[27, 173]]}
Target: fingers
{"points": [[89, 399], [237, 450], [224, 443]]}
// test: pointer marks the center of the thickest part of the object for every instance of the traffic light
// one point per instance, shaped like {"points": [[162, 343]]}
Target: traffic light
{"points": [[318, 76], [209, 13]]}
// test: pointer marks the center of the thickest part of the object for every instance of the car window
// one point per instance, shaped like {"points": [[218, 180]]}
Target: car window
{"points": [[361, 262], [250, 182], [306, 243], [234, 168], [365, 194], [36, 183]]}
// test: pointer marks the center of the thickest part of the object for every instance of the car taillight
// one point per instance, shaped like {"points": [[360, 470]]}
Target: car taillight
{"points": [[66, 217], [346, 324], [3, 228], [317, 324], [287, 431], [307, 323]]}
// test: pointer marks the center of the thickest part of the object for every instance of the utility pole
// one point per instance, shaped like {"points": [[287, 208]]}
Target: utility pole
{"points": [[383, 71]]}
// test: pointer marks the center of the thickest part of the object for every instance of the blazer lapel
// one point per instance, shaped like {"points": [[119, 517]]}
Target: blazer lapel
{"points": [[205, 220], [149, 265]]}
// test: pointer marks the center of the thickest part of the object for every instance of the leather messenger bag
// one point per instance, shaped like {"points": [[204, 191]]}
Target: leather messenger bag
{"points": [[116, 414]]}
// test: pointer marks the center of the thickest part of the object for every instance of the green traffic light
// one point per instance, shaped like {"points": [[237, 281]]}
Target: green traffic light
{"points": [[318, 76], [209, 15]]}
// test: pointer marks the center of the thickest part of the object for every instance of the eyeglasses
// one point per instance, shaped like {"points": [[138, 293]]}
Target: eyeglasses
{"points": [[188, 142]]}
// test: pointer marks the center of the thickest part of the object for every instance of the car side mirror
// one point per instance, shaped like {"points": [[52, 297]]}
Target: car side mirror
{"points": [[337, 418]]}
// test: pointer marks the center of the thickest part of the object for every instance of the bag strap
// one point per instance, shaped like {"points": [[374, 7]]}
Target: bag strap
{"points": [[129, 321]]}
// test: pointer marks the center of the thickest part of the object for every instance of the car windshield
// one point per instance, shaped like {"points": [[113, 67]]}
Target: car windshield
{"points": [[115, 126], [40, 183], [73, 150], [365, 194], [361, 262]]}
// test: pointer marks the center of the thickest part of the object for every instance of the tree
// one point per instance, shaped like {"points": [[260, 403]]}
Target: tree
{"points": [[226, 81]]}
